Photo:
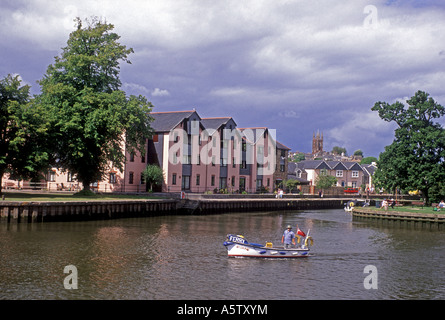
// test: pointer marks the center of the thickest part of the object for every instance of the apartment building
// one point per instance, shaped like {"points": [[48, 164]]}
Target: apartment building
{"points": [[196, 155]]}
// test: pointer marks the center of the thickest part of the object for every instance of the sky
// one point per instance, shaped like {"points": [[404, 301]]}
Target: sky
{"points": [[296, 66]]}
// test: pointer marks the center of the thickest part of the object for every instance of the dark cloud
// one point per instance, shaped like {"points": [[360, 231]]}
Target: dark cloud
{"points": [[294, 66]]}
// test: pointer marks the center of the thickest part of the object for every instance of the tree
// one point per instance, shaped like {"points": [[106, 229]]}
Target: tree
{"points": [[368, 160], [153, 175], [92, 121], [415, 159], [290, 184], [339, 151], [324, 181], [358, 152], [23, 128]]}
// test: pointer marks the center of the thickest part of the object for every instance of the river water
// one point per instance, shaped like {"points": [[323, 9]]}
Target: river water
{"points": [[182, 257]]}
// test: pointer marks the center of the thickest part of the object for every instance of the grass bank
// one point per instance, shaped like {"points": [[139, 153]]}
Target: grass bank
{"points": [[416, 209]]}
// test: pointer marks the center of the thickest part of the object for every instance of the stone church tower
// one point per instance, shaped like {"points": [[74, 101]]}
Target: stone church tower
{"points": [[317, 143]]}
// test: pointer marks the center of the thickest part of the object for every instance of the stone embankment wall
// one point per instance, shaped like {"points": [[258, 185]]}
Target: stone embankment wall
{"points": [[30, 212]]}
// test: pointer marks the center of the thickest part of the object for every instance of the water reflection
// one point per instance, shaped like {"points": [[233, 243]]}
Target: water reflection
{"points": [[182, 257]]}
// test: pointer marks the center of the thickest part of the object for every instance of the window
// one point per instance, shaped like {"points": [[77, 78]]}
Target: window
{"points": [[233, 181], [212, 182], [187, 159], [143, 158], [242, 183], [282, 167], [131, 178], [243, 164], [142, 178], [198, 179], [355, 174], [185, 182], [69, 177], [112, 177], [339, 173], [174, 178], [222, 183], [52, 176], [132, 157]]}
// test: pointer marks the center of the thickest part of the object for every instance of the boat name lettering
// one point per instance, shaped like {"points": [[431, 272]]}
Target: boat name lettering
{"points": [[236, 239]]}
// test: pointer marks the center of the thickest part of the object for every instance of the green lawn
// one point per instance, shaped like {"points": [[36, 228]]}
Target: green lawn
{"points": [[409, 208], [29, 197]]}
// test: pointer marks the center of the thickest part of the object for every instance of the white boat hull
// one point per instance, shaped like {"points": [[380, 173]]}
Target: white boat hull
{"points": [[236, 249]]}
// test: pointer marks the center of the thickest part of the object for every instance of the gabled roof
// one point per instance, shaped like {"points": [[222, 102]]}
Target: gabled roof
{"points": [[354, 166], [282, 146], [337, 165], [332, 165], [167, 121], [369, 168], [215, 123]]}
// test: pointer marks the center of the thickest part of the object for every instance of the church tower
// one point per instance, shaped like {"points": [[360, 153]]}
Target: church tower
{"points": [[317, 143]]}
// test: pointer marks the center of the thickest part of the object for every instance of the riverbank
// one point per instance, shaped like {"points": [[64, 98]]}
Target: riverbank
{"points": [[414, 215], [100, 209]]}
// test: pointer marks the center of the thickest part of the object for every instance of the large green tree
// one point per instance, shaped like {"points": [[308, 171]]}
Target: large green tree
{"points": [[23, 127], [93, 121], [415, 159]]}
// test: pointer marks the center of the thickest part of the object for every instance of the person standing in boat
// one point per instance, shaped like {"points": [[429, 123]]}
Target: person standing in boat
{"points": [[288, 237]]}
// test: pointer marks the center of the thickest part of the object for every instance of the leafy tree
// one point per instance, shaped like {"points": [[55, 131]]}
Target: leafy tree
{"points": [[93, 122], [153, 175], [290, 184], [368, 160], [358, 152], [415, 159], [325, 181], [339, 151], [298, 157], [23, 129]]}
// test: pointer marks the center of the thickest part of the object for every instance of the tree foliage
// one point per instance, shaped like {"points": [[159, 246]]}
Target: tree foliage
{"points": [[415, 159], [23, 127], [93, 122], [325, 181], [153, 175], [338, 150]]}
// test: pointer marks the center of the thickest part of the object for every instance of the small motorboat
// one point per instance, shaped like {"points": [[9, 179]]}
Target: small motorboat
{"points": [[349, 206], [238, 246]]}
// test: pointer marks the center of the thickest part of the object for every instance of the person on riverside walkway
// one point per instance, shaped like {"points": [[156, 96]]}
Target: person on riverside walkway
{"points": [[288, 237]]}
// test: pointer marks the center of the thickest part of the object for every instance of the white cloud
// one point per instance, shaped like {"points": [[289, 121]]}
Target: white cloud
{"points": [[160, 92]]}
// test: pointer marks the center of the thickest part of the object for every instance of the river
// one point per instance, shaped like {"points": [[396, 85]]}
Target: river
{"points": [[182, 258]]}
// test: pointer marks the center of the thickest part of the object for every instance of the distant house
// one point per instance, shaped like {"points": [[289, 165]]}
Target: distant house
{"points": [[348, 174]]}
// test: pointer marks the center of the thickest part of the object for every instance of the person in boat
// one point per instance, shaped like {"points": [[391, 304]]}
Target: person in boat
{"points": [[288, 237]]}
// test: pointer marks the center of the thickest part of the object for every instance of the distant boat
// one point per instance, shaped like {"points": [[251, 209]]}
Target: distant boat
{"points": [[238, 246]]}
